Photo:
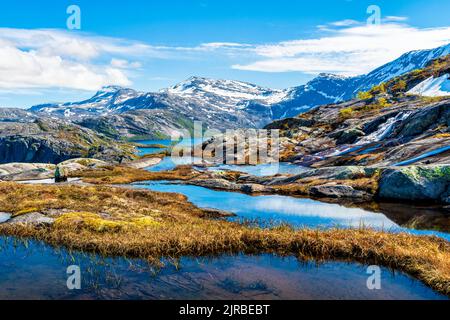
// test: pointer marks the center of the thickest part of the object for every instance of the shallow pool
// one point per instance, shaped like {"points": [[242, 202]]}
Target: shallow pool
{"points": [[299, 212], [32, 270]]}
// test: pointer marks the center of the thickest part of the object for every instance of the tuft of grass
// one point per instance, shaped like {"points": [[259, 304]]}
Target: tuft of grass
{"points": [[441, 135], [364, 95], [23, 212], [346, 113]]}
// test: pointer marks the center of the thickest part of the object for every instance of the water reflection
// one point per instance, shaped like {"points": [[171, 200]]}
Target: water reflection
{"points": [[262, 170], [299, 212], [32, 270]]}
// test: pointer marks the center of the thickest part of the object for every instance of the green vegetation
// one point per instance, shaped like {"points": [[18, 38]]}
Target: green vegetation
{"points": [[346, 113], [399, 86], [364, 95], [383, 103]]}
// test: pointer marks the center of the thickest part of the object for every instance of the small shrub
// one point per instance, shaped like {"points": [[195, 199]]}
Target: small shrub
{"points": [[346, 113], [364, 95]]}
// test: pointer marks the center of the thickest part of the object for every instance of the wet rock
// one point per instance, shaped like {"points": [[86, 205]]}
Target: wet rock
{"points": [[333, 173], [26, 171], [4, 216], [215, 213], [223, 184], [216, 184], [34, 218], [421, 120], [337, 191], [253, 188], [349, 136], [144, 163]]}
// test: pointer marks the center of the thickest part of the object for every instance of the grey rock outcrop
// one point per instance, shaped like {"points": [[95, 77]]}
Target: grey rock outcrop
{"points": [[33, 218], [428, 183]]}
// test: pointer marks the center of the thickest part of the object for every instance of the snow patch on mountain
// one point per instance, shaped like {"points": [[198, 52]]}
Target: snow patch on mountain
{"points": [[433, 87], [235, 91]]}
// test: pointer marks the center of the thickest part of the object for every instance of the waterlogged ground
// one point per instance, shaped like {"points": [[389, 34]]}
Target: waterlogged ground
{"points": [[30, 270], [275, 209]]}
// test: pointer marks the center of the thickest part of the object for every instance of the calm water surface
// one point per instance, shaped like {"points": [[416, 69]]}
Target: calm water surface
{"points": [[300, 212], [33, 270]]}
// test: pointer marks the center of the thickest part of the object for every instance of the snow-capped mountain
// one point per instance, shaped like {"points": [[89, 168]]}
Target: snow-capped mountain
{"points": [[406, 63], [108, 100], [324, 89], [219, 104], [328, 88], [225, 104], [232, 92]]}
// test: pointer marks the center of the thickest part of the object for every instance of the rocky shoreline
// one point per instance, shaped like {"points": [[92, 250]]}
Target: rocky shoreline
{"points": [[424, 183]]}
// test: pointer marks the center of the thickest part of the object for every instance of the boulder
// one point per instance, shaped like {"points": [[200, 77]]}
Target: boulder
{"points": [[26, 171], [253, 188], [349, 136], [337, 191], [334, 173], [33, 218], [215, 184], [223, 184], [4, 216], [415, 183], [215, 213], [144, 163]]}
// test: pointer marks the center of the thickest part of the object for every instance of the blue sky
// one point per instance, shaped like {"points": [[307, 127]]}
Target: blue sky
{"points": [[149, 45]]}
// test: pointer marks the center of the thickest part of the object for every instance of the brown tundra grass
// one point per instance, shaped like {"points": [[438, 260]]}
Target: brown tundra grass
{"points": [[126, 175], [115, 221]]}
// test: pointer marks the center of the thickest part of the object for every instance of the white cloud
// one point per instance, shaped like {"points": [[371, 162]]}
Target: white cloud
{"points": [[73, 60], [347, 51], [125, 64], [62, 59], [344, 23], [395, 19]]}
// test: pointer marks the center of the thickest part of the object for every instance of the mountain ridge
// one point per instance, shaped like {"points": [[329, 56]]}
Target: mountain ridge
{"points": [[224, 104]]}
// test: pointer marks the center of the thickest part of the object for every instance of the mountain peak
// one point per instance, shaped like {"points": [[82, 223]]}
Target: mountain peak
{"points": [[110, 89], [325, 75]]}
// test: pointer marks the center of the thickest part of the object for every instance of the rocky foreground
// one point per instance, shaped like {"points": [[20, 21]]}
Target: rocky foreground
{"points": [[116, 221], [387, 125], [420, 184]]}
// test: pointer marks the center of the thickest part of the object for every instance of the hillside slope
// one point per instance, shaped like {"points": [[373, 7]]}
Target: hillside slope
{"points": [[386, 126]]}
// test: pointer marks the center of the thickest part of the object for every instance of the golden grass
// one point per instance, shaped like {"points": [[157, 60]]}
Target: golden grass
{"points": [[441, 136], [137, 223], [126, 175]]}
